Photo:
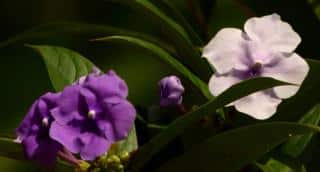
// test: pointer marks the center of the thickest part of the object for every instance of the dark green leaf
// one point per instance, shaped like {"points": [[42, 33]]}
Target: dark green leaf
{"points": [[70, 28], [11, 149], [64, 66], [178, 126], [274, 165], [236, 148], [183, 22], [175, 33], [164, 56], [295, 145]]}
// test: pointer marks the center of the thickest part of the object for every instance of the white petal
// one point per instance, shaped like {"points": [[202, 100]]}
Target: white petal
{"points": [[270, 30], [219, 83], [260, 105], [225, 51], [293, 69]]}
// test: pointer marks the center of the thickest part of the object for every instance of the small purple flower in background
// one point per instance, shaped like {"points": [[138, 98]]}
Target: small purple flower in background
{"points": [[171, 91], [93, 115], [33, 131], [264, 49]]}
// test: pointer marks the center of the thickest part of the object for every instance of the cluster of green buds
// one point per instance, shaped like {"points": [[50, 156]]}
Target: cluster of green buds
{"points": [[106, 163]]}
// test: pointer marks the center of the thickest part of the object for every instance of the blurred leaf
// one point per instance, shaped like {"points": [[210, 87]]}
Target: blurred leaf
{"points": [[164, 56], [11, 165], [175, 34], [130, 144], [276, 166], [226, 13], [71, 28], [183, 22], [295, 145], [64, 65], [10, 149], [232, 150], [178, 126]]}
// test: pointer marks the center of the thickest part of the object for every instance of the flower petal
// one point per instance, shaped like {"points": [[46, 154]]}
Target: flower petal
{"points": [[66, 135], [260, 105], [46, 152], [225, 51], [293, 69], [219, 83], [121, 116], [30, 145], [94, 146], [274, 33]]}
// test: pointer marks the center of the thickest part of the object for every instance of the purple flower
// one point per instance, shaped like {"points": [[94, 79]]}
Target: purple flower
{"points": [[171, 91], [93, 115], [264, 49], [33, 132]]}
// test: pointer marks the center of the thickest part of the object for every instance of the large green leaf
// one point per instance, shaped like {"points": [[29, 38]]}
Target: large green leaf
{"points": [[164, 56], [295, 145], [236, 148], [178, 126], [70, 28], [175, 34], [64, 65]]}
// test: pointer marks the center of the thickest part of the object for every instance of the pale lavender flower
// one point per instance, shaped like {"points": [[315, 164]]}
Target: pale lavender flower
{"points": [[171, 91], [92, 115], [264, 49]]}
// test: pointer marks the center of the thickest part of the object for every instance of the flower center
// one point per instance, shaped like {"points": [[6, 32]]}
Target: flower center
{"points": [[45, 122], [256, 69], [92, 114]]}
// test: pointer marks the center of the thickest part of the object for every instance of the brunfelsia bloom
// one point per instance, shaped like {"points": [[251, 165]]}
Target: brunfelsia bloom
{"points": [[171, 91], [33, 132], [264, 49], [93, 115]]}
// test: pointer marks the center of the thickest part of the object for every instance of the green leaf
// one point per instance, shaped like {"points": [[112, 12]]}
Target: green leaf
{"points": [[178, 126], [10, 149], [274, 165], [64, 66], [130, 144], [295, 145], [232, 150], [72, 28], [183, 22], [175, 33], [165, 56]]}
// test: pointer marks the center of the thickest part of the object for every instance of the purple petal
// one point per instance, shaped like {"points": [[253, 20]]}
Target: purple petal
{"points": [[107, 85], [47, 152], [260, 105], [274, 33], [68, 105], [66, 135], [30, 145], [293, 69], [121, 116], [95, 146], [24, 127], [225, 51]]}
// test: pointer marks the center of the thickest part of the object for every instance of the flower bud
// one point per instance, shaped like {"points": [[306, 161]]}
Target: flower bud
{"points": [[171, 90]]}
